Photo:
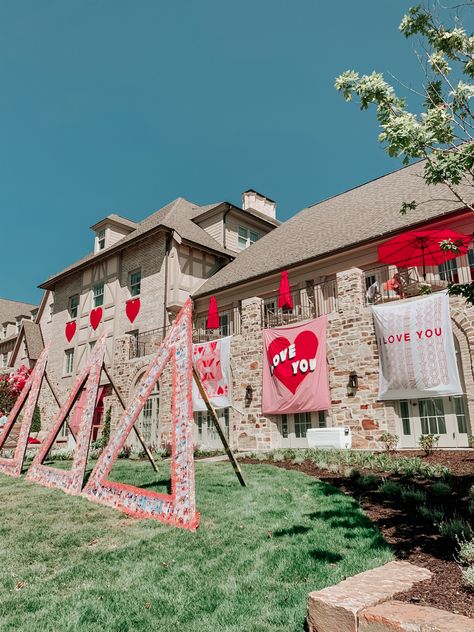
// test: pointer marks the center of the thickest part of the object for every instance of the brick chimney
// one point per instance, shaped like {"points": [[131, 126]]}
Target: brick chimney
{"points": [[254, 201]]}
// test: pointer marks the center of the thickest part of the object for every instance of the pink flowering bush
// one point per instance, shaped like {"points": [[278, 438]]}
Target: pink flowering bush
{"points": [[11, 385]]}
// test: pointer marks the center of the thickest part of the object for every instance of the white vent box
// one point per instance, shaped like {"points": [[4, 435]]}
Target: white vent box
{"points": [[338, 438]]}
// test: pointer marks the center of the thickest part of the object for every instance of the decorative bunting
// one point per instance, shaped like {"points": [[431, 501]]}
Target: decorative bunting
{"points": [[132, 308], [70, 330], [179, 507], [71, 481], [95, 317], [30, 393]]}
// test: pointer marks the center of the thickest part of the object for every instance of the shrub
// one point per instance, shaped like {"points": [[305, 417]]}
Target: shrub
{"points": [[466, 551], [470, 440], [413, 496], [391, 489], [125, 452], [371, 480], [456, 530], [36, 420], [389, 440], [431, 514], [468, 576], [440, 489], [428, 443], [105, 436]]}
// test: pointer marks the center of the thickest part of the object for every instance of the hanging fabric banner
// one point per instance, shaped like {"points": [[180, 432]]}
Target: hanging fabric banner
{"points": [[295, 378], [212, 362], [416, 348]]}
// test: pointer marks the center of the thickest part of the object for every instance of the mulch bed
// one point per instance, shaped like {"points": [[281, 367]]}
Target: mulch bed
{"points": [[413, 539]]}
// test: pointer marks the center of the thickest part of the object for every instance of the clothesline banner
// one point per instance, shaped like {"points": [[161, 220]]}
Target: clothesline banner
{"points": [[416, 349], [295, 375], [212, 362]]}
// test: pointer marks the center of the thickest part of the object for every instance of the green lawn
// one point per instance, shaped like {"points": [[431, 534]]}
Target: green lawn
{"points": [[248, 568]]}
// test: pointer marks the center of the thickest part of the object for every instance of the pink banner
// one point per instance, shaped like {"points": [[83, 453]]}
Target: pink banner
{"points": [[295, 377]]}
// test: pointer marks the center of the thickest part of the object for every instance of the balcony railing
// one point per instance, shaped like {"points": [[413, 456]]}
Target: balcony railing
{"points": [[387, 283], [147, 342], [310, 302]]}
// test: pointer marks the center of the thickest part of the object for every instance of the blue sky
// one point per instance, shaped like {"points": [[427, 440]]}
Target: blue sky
{"points": [[123, 105]]}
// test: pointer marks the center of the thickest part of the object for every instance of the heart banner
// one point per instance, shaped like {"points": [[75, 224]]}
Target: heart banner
{"points": [[70, 330], [212, 362], [295, 378], [132, 308], [95, 317]]}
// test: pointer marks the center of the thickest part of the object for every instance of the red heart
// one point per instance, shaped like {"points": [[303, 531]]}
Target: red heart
{"points": [[95, 317], [70, 330], [132, 308], [306, 346]]}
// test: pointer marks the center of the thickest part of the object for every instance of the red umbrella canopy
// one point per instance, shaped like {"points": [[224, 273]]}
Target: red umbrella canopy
{"points": [[212, 314], [284, 295], [424, 247]]}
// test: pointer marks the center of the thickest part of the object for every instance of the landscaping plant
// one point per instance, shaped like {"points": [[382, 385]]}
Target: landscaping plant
{"points": [[390, 441], [428, 443]]}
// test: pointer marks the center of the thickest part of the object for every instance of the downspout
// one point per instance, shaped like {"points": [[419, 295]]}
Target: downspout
{"points": [[169, 238]]}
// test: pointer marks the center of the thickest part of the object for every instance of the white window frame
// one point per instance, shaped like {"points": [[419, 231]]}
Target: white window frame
{"points": [[73, 308], [68, 361], [247, 237], [101, 239], [134, 284], [98, 296]]}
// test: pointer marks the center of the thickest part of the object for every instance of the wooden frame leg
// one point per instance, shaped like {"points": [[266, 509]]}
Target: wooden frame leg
{"points": [[220, 432]]}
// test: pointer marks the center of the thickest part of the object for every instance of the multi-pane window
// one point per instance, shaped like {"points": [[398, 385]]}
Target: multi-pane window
{"points": [[322, 423], [432, 416], [405, 415], [98, 294], [470, 258], [68, 361], [4, 359], [17, 325], [223, 324], [101, 239], [460, 415], [448, 271], [247, 237], [135, 282], [302, 424], [73, 305], [284, 426]]}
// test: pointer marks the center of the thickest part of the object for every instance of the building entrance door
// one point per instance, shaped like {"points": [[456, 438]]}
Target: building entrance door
{"points": [[148, 421], [205, 433], [442, 416], [293, 428]]}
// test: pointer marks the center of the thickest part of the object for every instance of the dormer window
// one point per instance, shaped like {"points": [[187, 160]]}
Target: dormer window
{"points": [[247, 237], [101, 239]]}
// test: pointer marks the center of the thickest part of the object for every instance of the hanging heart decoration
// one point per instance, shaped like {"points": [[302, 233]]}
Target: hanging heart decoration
{"points": [[132, 308], [95, 317], [70, 330]]}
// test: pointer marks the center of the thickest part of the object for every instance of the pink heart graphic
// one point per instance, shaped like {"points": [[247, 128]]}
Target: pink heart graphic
{"points": [[70, 330], [132, 308], [306, 346], [95, 317]]}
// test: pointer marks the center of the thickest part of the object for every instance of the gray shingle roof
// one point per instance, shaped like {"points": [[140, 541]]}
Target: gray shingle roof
{"points": [[33, 338], [359, 215], [9, 310], [176, 215]]}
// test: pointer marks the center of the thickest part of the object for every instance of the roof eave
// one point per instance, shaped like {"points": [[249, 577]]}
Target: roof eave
{"points": [[326, 254]]}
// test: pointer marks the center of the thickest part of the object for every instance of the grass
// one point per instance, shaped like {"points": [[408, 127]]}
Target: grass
{"points": [[69, 565]]}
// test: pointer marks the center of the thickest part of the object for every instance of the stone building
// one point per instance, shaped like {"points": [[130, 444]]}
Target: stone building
{"points": [[12, 315], [153, 266], [330, 253]]}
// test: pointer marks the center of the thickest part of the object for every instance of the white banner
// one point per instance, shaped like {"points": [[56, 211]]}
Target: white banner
{"points": [[212, 362], [416, 348]]}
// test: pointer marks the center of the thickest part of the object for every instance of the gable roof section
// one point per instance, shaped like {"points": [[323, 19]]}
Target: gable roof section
{"points": [[9, 310], [355, 217], [175, 216], [250, 213]]}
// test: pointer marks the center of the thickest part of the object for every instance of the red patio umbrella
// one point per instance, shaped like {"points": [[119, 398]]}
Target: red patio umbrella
{"points": [[212, 314], [284, 295], [423, 247]]}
